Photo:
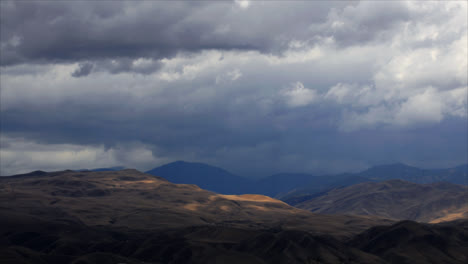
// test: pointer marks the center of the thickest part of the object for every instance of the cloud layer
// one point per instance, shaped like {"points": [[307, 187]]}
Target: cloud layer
{"points": [[256, 87]]}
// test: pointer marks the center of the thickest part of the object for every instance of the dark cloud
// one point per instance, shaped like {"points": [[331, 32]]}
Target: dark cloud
{"points": [[84, 69], [312, 86], [140, 66], [43, 32]]}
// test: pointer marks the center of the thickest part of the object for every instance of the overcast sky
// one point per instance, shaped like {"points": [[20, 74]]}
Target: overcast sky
{"points": [[256, 87]]}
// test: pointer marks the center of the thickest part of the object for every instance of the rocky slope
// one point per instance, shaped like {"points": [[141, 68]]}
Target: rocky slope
{"points": [[395, 199], [130, 217]]}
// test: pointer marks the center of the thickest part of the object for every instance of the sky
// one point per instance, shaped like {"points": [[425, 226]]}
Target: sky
{"points": [[255, 87]]}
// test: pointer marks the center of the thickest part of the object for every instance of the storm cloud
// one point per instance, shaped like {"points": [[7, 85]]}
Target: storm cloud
{"points": [[255, 87]]}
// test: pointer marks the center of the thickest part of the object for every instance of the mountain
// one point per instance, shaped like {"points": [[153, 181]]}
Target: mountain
{"points": [[457, 175], [131, 217], [205, 176], [116, 168], [416, 243], [288, 185], [281, 183], [394, 199], [321, 184], [132, 199], [128, 216], [318, 185], [277, 185], [295, 187]]}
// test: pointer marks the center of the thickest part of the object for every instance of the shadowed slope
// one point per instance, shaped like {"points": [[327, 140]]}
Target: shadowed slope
{"points": [[129, 198], [128, 216], [410, 242], [131, 217], [395, 199], [456, 175]]}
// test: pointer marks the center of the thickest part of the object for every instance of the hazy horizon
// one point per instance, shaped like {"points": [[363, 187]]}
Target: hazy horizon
{"points": [[248, 176]]}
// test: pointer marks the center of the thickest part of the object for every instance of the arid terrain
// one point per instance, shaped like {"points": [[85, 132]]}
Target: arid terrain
{"points": [[130, 217], [395, 199], [233, 132]]}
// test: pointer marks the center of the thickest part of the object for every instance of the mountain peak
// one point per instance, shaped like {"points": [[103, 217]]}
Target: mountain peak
{"points": [[396, 165], [205, 176]]}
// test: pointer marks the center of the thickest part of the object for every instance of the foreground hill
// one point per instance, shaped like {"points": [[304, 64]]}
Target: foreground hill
{"points": [[129, 198], [408, 242], [130, 217], [395, 199]]}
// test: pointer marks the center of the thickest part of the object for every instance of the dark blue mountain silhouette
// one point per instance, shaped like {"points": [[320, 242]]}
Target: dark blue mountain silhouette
{"points": [[205, 176], [291, 185]]}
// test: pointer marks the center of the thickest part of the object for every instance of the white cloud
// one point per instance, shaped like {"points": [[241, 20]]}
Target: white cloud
{"points": [[244, 4], [422, 107], [427, 106], [229, 76], [19, 155], [297, 95]]}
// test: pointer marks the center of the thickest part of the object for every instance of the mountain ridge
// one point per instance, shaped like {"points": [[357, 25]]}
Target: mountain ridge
{"points": [[395, 199], [287, 186], [131, 217]]}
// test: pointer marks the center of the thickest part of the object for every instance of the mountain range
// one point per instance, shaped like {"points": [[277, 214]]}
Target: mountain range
{"points": [[287, 186], [395, 199], [205, 176], [127, 216]]}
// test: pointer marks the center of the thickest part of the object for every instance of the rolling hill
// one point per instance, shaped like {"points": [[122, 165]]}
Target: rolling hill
{"points": [[130, 217], [319, 185], [394, 199], [409, 242], [129, 198], [456, 175]]}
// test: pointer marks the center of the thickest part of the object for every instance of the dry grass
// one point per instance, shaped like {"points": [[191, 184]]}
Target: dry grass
{"points": [[136, 200]]}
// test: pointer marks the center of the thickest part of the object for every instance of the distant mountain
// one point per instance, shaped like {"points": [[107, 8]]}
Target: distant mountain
{"points": [[457, 175], [282, 183], [394, 199], [205, 176], [318, 185], [297, 187], [221, 181], [321, 184], [116, 168]]}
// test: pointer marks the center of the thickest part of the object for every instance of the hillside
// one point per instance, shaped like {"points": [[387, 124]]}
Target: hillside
{"points": [[408, 242], [394, 199], [319, 185], [130, 217], [456, 175], [129, 198]]}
